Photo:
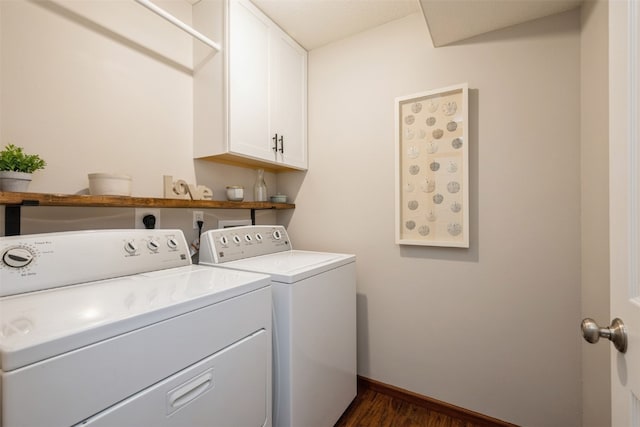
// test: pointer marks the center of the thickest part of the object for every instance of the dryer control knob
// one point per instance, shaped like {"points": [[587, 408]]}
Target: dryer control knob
{"points": [[224, 240], [153, 245], [17, 257], [131, 247], [172, 243], [277, 235]]}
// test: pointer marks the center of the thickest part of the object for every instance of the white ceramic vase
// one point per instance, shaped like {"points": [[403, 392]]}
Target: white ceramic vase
{"points": [[14, 181]]}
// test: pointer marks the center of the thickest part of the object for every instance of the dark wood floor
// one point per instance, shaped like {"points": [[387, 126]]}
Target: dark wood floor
{"points": [[382, 405], [371, 408]]}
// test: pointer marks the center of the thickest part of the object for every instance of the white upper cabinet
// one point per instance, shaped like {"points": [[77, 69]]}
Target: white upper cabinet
{"points": [[250, 105], [288, 72]]}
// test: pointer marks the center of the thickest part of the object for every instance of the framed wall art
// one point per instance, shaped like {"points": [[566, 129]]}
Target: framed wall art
{"points": [[432, 168]]}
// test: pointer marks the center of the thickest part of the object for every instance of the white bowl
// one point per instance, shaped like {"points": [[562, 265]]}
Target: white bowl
{"points": [[235, 193], [279, 198], [108, 184]]}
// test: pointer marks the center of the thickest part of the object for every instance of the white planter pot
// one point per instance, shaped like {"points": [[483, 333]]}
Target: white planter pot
{"points": [[14, 181], [108, 184]]}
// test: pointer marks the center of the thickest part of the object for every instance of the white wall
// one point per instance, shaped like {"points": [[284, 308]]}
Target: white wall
{"points": [[104, 87], [492, 328], [87, 101], [596, 376]]}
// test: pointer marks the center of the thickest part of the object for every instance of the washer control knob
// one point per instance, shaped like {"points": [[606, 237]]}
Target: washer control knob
{"points": [[247, 238], [172, 243], [224, 240], [277, 235], [153, 245], [236, 239], [131, 247], [17, 257], [259, 237]]}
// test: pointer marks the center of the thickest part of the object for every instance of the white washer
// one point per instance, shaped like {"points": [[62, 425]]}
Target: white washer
{"points": [[314, 300], [117, 328]]}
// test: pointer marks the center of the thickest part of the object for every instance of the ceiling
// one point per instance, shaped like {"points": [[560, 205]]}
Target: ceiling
{"points": [[450, 21], [314, 23]]}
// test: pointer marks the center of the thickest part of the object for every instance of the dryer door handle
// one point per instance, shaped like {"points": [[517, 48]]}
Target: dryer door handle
{"points": [[187, 392]]}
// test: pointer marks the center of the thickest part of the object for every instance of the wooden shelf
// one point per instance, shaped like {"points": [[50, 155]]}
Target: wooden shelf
{"points": [[44, 199], [14, 201]]}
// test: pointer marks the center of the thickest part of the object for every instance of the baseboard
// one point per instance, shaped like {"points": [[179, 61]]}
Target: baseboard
{"points": [[474, 418]]}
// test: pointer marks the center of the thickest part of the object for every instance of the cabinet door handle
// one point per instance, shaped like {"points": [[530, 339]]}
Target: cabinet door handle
{"points": [[281, 144], [275, 143]]}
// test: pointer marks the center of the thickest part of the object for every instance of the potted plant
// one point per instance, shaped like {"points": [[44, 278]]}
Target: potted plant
{"points": [[16, 168]]}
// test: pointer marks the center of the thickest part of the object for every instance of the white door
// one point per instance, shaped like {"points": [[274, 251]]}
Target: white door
{"points": [[249, 82], [288, 103], [624, 119]]}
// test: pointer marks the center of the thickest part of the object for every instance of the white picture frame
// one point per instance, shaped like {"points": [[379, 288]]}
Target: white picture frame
{"points": [[432, 167]]}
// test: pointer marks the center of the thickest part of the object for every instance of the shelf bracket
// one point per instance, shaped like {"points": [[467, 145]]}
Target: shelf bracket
{"points": [[12, 217], [12, 220], [253, 217]]}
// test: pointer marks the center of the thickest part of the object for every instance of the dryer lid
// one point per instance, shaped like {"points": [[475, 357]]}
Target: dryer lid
{"points": [[39, 325]]}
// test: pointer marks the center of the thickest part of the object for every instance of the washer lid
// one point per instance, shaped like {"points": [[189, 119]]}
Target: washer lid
{"points": [[39, 325], [291, 266]]}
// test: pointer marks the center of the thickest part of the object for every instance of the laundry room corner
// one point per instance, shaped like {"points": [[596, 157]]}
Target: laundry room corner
{"points": [[450, 323]]}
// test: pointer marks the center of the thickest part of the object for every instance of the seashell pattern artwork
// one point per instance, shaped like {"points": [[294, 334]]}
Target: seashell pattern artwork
{"points": [[449, 108], [454, 228], [410, 134], [432, 147], [433, 168], [453, 187], [428, 186]]}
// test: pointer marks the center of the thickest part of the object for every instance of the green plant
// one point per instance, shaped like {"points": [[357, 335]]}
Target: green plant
{"points": [[13, 158]]}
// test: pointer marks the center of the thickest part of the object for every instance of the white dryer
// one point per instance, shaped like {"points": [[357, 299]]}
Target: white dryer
{"points": [[117, 328], [314, 302]]}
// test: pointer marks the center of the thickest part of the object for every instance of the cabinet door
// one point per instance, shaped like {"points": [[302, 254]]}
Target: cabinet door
{"points": [[288, 98], [249, 82]]}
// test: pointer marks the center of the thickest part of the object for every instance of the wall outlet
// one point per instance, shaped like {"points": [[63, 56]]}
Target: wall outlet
{"points": [[142, 212], [197, 216]]}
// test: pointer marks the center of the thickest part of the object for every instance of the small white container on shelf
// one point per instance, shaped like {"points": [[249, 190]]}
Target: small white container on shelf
{"points": [[235, 193], [108, 184], [279, 198]]}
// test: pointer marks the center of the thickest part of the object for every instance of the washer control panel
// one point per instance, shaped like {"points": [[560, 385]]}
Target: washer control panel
{"points": [[41, 261], [231, 244]]}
